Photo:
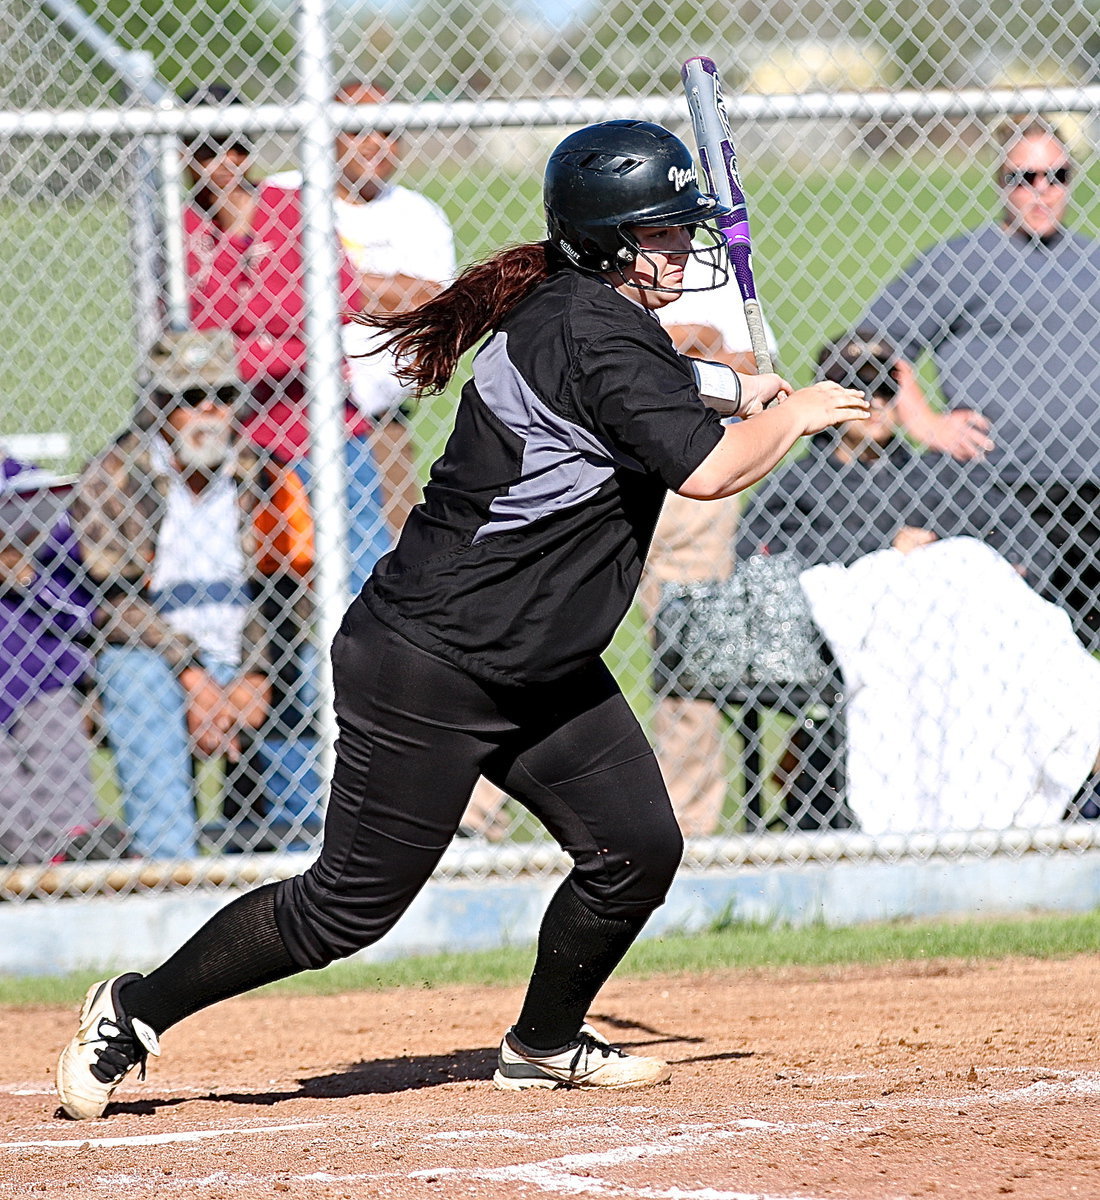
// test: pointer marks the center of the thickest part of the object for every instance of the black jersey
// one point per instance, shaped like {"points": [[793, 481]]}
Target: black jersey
{"points": [[527, 549]]}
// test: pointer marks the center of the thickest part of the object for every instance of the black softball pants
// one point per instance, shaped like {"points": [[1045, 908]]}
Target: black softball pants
{"points": [[415, 732]]}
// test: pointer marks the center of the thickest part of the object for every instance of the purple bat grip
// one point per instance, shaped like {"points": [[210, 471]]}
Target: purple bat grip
{"points": [[714, 140]]}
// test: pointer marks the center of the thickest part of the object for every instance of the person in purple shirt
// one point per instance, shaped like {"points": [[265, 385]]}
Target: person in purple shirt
{"points": [[47, 806]]}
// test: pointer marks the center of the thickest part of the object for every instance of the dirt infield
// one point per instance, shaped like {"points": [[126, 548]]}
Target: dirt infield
{"points": [[967, 1080]]}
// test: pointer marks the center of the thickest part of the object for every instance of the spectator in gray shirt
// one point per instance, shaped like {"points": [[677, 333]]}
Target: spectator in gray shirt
{"points": [[1009, 314]]}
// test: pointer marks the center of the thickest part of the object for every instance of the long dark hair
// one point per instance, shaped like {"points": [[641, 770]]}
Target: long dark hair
{"points": [[429, 341]]}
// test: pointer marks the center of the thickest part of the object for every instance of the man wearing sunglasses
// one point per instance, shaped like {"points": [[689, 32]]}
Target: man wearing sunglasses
{"points": [[1009, 314], [186, 556]]}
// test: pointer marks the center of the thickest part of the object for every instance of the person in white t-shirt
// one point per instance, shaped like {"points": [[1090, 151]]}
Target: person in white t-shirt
{"points": [[711, 323], [402, 246]]}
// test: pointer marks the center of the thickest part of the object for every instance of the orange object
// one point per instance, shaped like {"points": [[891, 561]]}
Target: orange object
{"points": [[284, 528]]}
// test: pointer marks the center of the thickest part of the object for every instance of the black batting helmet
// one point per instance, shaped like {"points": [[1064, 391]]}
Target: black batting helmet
{"points": [[617, 174]]}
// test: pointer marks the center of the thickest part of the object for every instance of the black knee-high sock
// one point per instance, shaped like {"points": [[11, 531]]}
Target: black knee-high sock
{"points": [[577, 951], [238, 949]]}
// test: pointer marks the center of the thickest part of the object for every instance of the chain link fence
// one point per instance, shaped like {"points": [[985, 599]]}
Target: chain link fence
{"points": [[180, 537]]}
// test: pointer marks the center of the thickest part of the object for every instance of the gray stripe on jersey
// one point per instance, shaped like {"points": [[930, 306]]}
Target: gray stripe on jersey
{"points": [[563, 463]]}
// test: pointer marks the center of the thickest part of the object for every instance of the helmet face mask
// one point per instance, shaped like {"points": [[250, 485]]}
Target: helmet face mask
{"points": [[712, 254], [606, 179]]}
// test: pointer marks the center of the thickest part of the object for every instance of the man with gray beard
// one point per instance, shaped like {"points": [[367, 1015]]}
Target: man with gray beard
{"points": [[190, 551]]}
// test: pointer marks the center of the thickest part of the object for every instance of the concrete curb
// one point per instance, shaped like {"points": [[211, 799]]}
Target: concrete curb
{"points": [[135, 932]]}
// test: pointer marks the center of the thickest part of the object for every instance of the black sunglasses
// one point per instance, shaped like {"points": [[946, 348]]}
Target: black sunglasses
{"points": [[1055, 177], [196, 397]]}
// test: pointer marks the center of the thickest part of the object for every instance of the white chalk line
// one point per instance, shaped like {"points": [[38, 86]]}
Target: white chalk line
{"points": [[549, 1176], [569, 1174], [572, 1174], [603, 1131], [1052, 1085], [153, 1139], [1041, 1090], [155, 1089]]}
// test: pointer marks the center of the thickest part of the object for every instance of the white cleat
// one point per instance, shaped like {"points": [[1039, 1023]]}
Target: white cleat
{"points": [[107, 1047], [589, 1062]]}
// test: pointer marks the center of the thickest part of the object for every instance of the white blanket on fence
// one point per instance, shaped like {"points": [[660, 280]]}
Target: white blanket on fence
{"points": [[971, 705]]}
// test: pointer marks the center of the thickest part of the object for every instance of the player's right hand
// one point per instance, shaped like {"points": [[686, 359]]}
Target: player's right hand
{"points": [[825, 404]]}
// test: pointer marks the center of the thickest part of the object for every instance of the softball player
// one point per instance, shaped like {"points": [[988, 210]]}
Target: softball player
{"points": [[475, 647]]}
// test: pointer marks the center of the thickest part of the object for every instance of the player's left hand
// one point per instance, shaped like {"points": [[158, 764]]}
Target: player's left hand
{"points": [[758, 391]]}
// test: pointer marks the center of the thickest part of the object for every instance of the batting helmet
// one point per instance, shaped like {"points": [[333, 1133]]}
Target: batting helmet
{"points": [[617, 174]]}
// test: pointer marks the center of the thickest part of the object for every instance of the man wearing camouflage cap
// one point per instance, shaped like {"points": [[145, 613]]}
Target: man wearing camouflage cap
{"points": [[171, 521]]}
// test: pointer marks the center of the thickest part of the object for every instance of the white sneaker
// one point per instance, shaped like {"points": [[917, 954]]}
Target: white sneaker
{"points": [[107, 1047], [589, 1062]]}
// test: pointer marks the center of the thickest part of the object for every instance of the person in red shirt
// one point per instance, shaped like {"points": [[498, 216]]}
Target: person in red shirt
{"points": [[245, 272]]}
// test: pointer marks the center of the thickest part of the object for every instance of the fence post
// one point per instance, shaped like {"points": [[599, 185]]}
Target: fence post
{"points": [[145, 215], [137, 71], [176, 306], [324, 373]]}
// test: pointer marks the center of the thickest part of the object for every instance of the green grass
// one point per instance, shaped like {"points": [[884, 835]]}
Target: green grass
{"points": [[730, 946], [66, 329]]}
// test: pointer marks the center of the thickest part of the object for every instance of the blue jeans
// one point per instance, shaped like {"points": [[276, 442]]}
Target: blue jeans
{"points": [[369, 536], [145, 717], [294, 789]]}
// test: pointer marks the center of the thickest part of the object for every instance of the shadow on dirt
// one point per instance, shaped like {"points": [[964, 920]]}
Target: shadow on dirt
{"points": [[725, 1056], [377, 1077], [387, 1075]]}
